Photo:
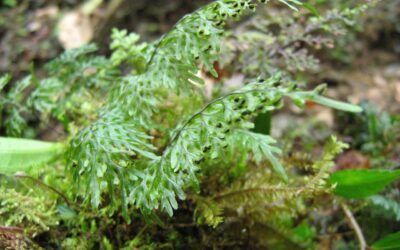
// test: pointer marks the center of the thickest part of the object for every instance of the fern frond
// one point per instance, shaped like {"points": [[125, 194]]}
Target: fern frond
{"points": [[60, 95], [125, 49], [261, 147], [139, 99], [288, 48], [70, 73], [172, 63], [101, 156], [174, 60], [69, 57]]}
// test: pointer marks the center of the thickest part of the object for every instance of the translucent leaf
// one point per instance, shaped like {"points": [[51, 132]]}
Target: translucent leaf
{"points": [[390, 242], [358, 183], [22, 154]]}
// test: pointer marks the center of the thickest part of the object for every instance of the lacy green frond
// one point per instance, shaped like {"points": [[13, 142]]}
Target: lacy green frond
{"points": [[69, 57], [62, 95], [125, 49], [172, 63], [69, 74], [101, 156], [157, 188], [174, 60], [203, 135], [139, 99], [261, 147], [253, 49]]}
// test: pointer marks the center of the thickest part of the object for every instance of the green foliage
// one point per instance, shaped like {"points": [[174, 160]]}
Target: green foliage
{"points": [[75, 243], [11, 103], [261, 147], [103, 152], [142, 136], [362, 183], [200, 137], [10, 3], [32, 212], [125, 49], [101, 155], [315, 97], [172, 62], [390, 206], [208, 212], [390, 242], [22, 154], [261, 196], [63, 95], [376, 133]]}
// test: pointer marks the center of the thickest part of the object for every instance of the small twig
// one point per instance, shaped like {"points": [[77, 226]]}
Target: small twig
{"points": [[355, 226], [40, 183]]}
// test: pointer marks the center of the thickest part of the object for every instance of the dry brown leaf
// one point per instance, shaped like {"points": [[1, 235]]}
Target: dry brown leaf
{"points": [[351, 160]]}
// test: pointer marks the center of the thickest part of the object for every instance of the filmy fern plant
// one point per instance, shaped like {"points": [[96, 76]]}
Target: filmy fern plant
{"points": [[115, 155], [124, 155]]}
